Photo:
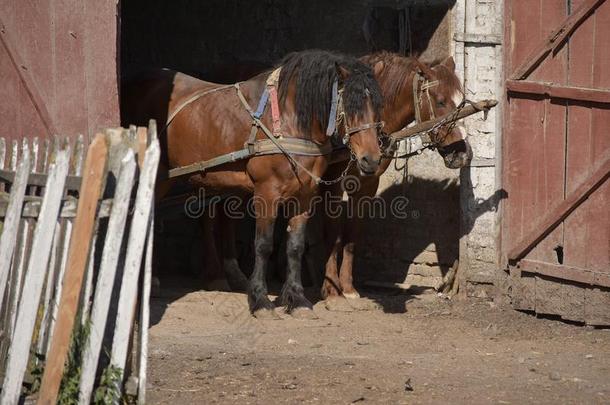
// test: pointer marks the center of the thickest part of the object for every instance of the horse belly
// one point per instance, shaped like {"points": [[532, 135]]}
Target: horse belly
{"points": [[223, 182]]}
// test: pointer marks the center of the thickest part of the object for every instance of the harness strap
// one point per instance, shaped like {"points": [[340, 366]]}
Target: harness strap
{"points": [[418, 93], [351, 131], [253, 147], [262, 103], [243, 100], [271, 146], [194, 97], [275, 112], [332, 118]]}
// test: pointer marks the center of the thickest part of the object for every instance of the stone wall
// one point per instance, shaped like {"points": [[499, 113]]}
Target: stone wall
{"points": [[478, 49]]}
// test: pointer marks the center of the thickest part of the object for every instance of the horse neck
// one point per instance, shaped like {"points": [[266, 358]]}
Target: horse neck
{"points": [[399, 111]]}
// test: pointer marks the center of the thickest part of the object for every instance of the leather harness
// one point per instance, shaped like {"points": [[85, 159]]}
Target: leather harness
{"points": [[275, 142]]}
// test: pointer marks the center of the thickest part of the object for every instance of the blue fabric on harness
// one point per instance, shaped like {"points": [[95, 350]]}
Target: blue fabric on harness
{"points": [[332, 119], [261, 104]]}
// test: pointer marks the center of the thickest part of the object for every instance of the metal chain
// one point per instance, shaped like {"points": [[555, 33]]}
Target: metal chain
{"points": [[340, 178]]}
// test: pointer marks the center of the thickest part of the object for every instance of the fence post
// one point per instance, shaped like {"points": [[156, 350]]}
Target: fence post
{"points": [[41, 246], [107, 271], [90, 191], [133, 260], [8, 239], [146, 283]]}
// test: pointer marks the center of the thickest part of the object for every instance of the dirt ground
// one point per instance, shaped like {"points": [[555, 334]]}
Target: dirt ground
{"points": [[392, 348]]}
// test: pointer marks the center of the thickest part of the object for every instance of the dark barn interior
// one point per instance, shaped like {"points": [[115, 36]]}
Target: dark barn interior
{"points": [[229, 40]]}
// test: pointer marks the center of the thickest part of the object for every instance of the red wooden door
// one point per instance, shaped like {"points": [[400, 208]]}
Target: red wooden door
{"points": [[58, 67], [556, 157]]}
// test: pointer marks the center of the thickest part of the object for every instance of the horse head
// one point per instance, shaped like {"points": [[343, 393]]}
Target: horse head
{"points": [[441, 93], [414, 90], [336, 94]]}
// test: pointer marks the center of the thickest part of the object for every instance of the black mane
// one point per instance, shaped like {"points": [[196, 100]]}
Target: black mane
{"points": [[315, 71]]}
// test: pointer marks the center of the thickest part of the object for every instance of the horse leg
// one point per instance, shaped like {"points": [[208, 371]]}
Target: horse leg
{"points": [[260, 305], [345, 274], [333, 243], [351, 230], [236, 278], [213, 276], [292, 294]]}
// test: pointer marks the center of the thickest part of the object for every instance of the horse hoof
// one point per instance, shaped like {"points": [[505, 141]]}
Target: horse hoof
{"points": [[351, 295], [303, 313], [338, 304], [329, 291], [266, 314]]}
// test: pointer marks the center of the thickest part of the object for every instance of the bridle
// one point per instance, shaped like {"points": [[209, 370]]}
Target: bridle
{"points": [[338, 108], [421, 88], [421, 96], [342, 119]]}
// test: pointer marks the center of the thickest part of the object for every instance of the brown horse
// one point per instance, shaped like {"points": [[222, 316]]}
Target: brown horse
{"points": [[207, 120], [438, 92]]}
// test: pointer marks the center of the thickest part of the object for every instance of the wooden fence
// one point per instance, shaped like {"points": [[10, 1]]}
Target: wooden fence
{"points": [[77, 232]]}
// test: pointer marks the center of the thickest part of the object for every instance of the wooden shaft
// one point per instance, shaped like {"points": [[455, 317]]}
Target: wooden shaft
{"points": [[484, 105]]}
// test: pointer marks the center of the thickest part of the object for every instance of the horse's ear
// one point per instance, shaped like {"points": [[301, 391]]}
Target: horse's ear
{"points": [[378, 68], [425, 71], [449, 63], [343, 72]]}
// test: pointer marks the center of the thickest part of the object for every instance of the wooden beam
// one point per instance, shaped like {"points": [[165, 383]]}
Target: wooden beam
{"points": [[555, 39], [565, 272], [80, 242], [558, 91], [39, 179], [556, 216], [481, 39]]}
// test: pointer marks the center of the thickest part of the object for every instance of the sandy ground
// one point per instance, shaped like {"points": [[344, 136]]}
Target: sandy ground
{"points": [[394, 348]]}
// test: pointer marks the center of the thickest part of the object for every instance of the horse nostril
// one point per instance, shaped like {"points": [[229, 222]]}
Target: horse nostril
{"points": [[368, 164]]}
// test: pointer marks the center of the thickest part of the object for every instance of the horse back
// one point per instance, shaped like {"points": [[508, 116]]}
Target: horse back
{"points": [[153, 93]]}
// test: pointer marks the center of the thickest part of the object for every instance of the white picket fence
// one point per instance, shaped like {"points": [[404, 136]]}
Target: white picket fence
{"points": [[77, 232]]}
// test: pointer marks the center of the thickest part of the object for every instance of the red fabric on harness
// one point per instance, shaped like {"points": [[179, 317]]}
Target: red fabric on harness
{"points": [[275, 111]]}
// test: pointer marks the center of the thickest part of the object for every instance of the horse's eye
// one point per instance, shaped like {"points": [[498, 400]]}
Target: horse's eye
{"points": [[441, 104]]}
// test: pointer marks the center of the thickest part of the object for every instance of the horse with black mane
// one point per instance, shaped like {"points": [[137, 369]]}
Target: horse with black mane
{"points": [[218, 137]]}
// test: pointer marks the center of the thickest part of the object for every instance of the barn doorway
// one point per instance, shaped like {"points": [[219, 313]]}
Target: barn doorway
{"points": [[228, 40]]}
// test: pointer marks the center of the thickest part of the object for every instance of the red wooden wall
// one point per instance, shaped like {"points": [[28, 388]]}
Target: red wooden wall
{"points": [[58, 67]]}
